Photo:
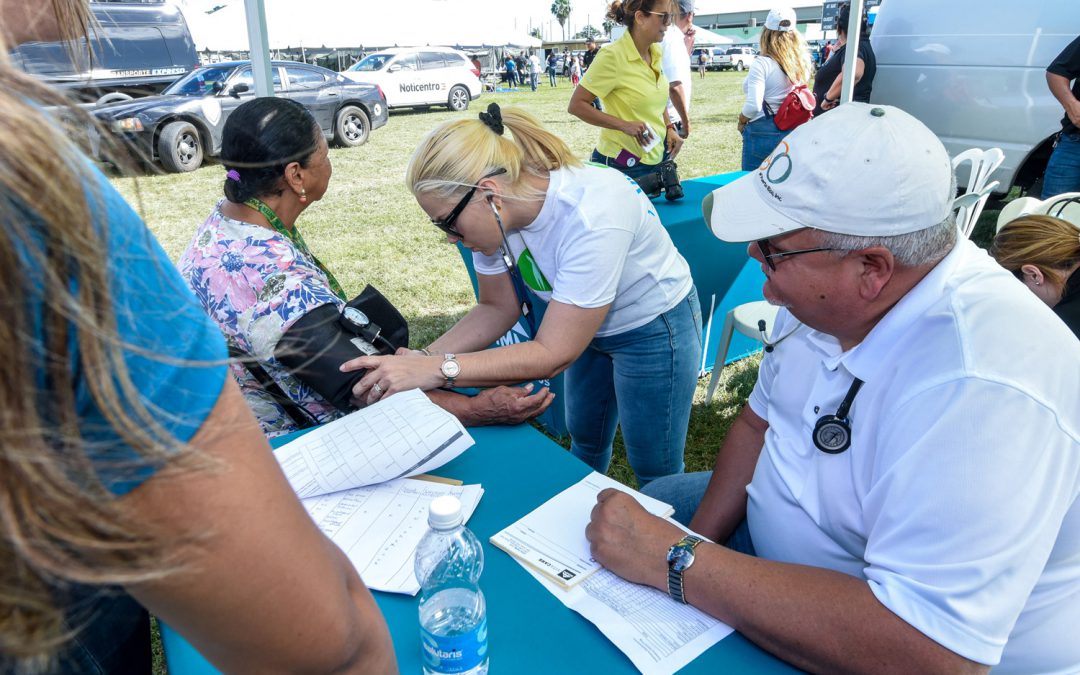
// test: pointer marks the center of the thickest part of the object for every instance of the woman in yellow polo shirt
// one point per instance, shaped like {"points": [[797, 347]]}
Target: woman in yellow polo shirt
{"points": [[627, 77]]}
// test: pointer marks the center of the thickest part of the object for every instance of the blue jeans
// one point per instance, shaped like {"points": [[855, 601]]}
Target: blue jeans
{"points": [[1063, 169], [115, 638], [551, 77], [534, 79], [759, 139], [644, 377], [685, 492], [636, 171]]}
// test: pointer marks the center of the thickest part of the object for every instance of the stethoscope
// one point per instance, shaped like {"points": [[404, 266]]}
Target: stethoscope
{"points": [[832, 433], [515, 274]]}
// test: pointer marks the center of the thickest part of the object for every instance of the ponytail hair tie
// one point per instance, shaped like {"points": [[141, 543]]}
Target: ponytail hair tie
{"points": [[493, 119], [233, 174]]}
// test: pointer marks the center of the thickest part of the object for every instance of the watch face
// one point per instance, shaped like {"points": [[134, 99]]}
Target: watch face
{"points": [[679, 558], [451, 368]]}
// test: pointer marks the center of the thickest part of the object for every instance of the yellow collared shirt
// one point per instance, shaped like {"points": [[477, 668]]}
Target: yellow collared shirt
{"points": [[630, 89]]}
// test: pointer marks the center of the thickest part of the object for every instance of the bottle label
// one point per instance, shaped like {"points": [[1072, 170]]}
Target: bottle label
{"points": [[454, 654]]}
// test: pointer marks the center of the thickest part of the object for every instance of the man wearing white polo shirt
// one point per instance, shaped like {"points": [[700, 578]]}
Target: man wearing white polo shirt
{"points": [[908, 464]]}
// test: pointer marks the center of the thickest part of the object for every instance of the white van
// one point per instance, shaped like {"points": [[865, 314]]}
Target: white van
{"points": [[420, 76], [974, 71]]}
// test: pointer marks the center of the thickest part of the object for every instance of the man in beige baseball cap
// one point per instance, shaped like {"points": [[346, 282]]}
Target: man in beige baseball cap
{"points": [[902, 489]]}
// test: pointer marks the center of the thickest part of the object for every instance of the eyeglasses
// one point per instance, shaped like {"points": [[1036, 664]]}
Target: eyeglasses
{"points": [[447, 224], [665, 17], [769, 252]]}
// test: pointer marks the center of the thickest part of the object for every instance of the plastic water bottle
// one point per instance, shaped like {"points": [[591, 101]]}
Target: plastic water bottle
{"points": [[453, 615]]}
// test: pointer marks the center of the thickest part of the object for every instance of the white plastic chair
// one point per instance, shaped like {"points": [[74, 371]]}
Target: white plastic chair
{"points": [[969, 205], [744, 319]]}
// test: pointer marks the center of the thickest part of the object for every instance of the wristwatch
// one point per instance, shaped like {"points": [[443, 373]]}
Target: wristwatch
{"points": [[679, 559], [450, 368]]}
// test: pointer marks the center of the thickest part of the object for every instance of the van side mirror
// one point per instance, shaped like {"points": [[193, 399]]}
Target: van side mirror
{"points": [[394, 68], [238, 89]]}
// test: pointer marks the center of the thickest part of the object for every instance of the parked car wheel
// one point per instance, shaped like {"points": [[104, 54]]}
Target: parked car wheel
{"points": [[739, 66], [352, 127], [112, 97], [458, 99], [180, 148]]}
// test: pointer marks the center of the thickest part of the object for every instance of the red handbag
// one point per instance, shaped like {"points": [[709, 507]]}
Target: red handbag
{"points": [[797, 108]]}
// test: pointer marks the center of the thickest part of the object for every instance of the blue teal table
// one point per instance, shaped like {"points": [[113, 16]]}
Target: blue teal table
{"points": [[530, 630], [724, 274]]}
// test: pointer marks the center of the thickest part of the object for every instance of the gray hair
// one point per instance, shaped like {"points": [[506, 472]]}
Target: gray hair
{"points": [[912, 249]]}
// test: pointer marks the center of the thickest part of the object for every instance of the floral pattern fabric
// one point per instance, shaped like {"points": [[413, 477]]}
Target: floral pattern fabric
{"points": [[255, 284]]}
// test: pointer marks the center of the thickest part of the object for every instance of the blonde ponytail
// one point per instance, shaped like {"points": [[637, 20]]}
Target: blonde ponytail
{"points": [[458, 154]]}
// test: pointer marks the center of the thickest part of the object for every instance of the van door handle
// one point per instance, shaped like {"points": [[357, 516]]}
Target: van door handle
{"points": [[332, 93]]}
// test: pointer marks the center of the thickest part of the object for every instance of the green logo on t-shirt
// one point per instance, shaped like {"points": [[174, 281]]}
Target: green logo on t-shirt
{"points": [[531, 273]]}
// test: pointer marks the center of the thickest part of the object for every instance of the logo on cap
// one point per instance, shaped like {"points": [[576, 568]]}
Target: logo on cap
{"points": [[777, 168]]}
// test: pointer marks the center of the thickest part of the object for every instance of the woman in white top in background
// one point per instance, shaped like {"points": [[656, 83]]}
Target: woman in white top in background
{"points": [[784, 62]]}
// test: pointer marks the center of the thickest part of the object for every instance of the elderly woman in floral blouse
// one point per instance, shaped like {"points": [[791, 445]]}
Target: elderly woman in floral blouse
{"points": [[252, 271]]}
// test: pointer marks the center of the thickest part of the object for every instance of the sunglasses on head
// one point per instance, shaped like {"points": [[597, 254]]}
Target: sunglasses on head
{"points": [[447, 224]]}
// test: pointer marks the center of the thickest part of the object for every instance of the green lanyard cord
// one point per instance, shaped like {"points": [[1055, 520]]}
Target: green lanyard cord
{"points": [[297, 239]]}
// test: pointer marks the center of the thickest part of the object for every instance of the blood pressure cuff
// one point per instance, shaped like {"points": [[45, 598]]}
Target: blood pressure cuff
{"points": [[316, 345]]}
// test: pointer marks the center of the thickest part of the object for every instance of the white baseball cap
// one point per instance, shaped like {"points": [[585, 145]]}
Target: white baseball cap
{"points": [[1065, 206], [781, 18], [863, 169]]}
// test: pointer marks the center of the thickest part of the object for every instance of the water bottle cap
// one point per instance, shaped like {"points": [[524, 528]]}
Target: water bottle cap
{"points": [[445, 513]]}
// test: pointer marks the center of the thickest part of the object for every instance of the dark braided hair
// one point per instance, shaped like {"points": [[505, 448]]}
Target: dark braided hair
{"points": [[260, 139]]}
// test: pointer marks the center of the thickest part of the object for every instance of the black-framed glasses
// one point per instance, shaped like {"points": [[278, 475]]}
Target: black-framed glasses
{"points": [[665, 17], [447, 224], [770, 252]]}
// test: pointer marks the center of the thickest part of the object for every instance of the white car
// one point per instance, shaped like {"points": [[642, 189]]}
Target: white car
{"points": [[420, 76]]}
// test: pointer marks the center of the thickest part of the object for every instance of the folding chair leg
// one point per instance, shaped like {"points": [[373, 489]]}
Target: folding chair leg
{"points": [[721, 355]]}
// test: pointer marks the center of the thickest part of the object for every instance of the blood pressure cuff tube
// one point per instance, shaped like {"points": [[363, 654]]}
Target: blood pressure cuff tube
{"points": [[316, 345]]}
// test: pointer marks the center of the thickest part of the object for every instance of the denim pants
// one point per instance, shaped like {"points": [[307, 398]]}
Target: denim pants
{"points": [[760, 138], [115, 640], [551, 77], [635, 172], [534, 79], [645, 379], [685, 492], [1063, 169]]}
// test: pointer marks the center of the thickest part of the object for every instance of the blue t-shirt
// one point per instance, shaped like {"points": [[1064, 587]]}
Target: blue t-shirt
{"points": [[173, 352]]}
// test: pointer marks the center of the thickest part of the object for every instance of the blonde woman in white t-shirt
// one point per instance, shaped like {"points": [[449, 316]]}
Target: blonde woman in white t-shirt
{"points": [[621, 317], [784, 62]]}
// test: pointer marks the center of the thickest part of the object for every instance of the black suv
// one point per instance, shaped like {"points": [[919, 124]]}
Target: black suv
{"points": [[184, 124], [139, 49]]}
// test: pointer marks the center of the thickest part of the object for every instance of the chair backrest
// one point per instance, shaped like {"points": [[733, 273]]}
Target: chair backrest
{"points": [[969, 206]]}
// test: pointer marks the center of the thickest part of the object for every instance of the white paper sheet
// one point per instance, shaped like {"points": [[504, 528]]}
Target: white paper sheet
{"points": [[659, 635], [379, 527], [402, 435], [552, 537]]}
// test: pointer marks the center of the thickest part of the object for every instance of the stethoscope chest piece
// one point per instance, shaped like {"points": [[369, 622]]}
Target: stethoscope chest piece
{"points": [[832, 433]]}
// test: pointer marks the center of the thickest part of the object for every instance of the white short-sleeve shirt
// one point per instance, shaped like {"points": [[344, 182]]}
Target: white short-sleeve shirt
{"points": [[676, 67], [958, 500], [598, 241]]}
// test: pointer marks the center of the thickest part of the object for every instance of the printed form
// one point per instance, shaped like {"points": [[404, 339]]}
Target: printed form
{"points": [[379, 527], [402, 435], [659, 635], [552, 537]]}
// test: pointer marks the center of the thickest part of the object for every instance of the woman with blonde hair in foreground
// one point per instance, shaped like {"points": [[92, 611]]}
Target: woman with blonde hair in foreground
{"points": [[622, 314], [131, 471]]}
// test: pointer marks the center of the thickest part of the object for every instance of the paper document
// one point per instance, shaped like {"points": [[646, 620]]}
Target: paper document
{"points": [[379, 527], [552, 538], [402, 435], [659, 635]]}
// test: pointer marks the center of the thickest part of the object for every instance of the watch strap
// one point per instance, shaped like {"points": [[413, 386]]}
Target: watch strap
{"points": [[675, 577]]}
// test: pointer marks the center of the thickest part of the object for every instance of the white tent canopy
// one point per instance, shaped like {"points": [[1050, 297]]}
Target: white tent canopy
{"points": [[220, 25], [704, 37]]}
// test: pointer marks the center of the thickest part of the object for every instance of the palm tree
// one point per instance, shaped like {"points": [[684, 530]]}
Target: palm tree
{"points": [[561, 10]]}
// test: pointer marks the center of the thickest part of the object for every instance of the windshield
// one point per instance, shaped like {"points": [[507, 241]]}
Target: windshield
{"points": [[371, 63], [200, 82]]}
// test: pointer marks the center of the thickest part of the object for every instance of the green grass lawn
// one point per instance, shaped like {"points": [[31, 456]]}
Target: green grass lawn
{"points": [[368, 228]]}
